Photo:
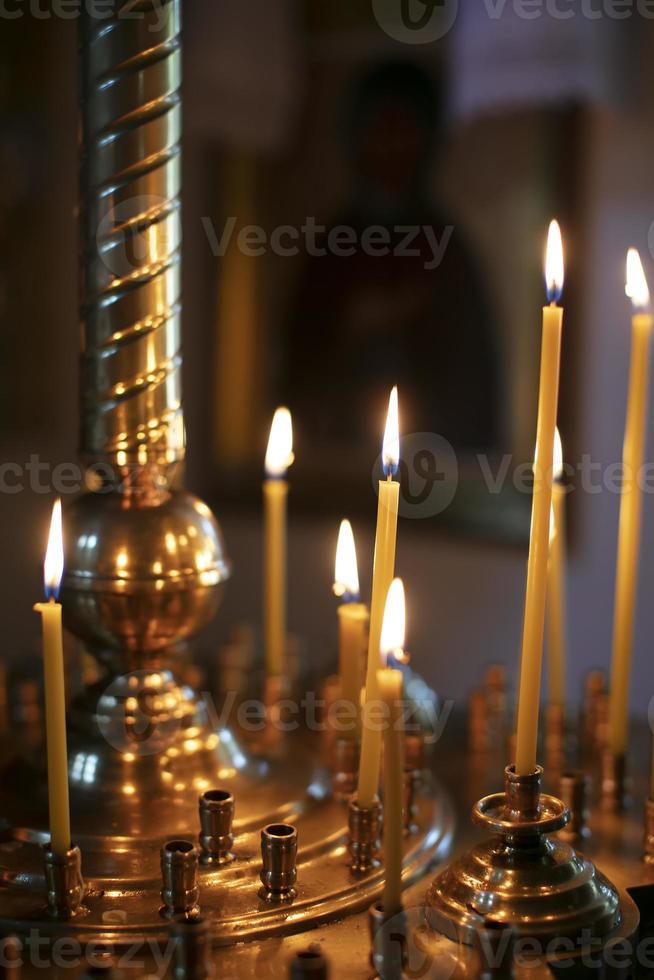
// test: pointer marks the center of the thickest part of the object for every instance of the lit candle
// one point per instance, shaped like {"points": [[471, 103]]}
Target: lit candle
{"points": [[390, 691], [55, 691], [279, 457], [352, 623], [630, 504], [382, 576], [556, 605], [534, 618]]}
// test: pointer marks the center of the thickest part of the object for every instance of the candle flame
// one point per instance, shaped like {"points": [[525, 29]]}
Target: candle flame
{"points": [[636, 288], [279, 454], [391, 445], [557, 466], [554, 265], [53, 566], [346, 573], [394, 622]]}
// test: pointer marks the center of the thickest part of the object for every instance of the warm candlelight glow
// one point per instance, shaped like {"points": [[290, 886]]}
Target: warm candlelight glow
{"points": [[53, 566], [391, 446], [552, 525], [636, 288], [394, 622], [557, 465], [346, 574], [279, 454], [554, 267]]}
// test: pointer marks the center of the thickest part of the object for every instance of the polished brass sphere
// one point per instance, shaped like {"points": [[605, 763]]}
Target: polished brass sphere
{"points": [[140, 577]]}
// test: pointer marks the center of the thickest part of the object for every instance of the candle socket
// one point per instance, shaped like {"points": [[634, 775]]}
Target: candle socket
{"points": [[192, 939], [279, 855], [615, 784], [64, 883], [12, 950], [388, 942], [309, 964], [594, 691], [648, 855], [216, 808], [345, 768], [478, 726], [574, 790], [555, 736], [364, 833], [179, 872], [277, 689]]}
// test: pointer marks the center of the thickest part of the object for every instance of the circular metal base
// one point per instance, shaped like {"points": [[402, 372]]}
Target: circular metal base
{"points": [[125, 809]]}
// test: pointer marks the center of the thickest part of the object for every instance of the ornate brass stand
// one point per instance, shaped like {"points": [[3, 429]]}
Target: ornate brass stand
{"points": [[145, 567]]}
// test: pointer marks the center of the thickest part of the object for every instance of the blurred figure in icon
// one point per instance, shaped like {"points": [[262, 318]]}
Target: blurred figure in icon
{"points": [[416, 316]]}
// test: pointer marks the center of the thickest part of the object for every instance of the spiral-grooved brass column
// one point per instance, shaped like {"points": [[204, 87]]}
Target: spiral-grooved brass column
{"points": [[131, 413]]}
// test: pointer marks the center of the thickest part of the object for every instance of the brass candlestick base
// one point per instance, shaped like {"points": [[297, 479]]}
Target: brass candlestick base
{"points": [[522, 876], [65, 886]]}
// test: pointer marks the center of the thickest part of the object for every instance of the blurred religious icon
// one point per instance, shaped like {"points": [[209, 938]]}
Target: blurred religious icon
{"points": [[390, 292]]}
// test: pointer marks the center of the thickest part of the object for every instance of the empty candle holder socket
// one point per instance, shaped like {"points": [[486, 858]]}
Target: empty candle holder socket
{"points": [[594, 692], [277, 690], [574, 791], [364, 833], [12, 954], [615, 785], [309, 964], [345, 767], [415, 752], [554, 734], [388, 943], [179, 872], [192, 941], [279, 856], [216, 808], [478, 722], [64, 883], [648, 855]]}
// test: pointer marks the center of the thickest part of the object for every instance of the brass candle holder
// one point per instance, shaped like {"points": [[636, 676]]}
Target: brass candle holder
{"points": [[523, 876]]}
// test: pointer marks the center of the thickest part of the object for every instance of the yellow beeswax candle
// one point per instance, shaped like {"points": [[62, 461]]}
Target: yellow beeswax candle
{"points": [[279, 457], [382, 576], [55, 690], [630, 505], [534, 618], [352, 627], [390, 692], [556, 579]]}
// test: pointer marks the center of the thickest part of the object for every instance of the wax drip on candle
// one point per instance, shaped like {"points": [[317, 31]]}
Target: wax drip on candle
{"points": [[279, 454], [53, 566], [554, 264], [346, 573]]}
